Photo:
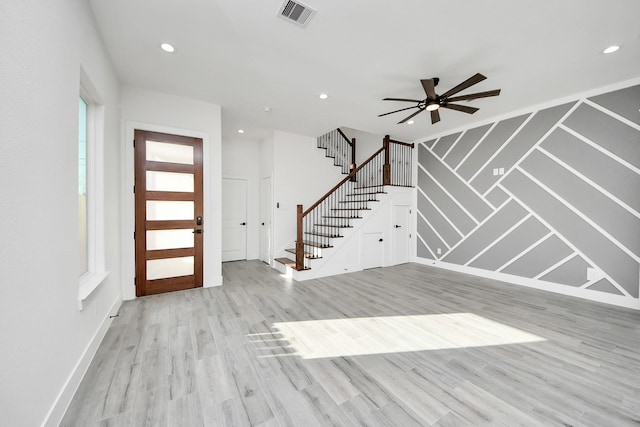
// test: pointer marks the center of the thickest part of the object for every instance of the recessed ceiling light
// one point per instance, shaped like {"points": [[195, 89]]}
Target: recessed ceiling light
{"points": [[167, 47], [323, 96], [267, 109], [410, 122], [240, 131], [611, 49]]}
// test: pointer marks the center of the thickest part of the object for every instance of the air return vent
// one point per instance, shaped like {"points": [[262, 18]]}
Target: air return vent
{"points": [[296, 12]]}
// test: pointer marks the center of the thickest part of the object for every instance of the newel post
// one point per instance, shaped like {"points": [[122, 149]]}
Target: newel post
{"points": [[299, 242], [386, 169], [352, 166]]}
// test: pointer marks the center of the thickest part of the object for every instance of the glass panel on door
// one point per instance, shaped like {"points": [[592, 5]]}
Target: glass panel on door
{"points": [[172, 153], [170, 181], [169, 239], [169, 267], [163, 210]]}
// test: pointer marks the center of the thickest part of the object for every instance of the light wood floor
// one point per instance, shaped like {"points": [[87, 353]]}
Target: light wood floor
{"points": [[423, 347]]}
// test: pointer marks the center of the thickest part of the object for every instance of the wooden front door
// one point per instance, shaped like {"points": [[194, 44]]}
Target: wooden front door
{"points": [[168, 212]]}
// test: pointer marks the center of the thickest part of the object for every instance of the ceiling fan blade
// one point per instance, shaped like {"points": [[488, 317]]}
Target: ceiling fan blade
{"points": [[474, 96], [429, 88], [402, 99], [411, 116], [402, 109], [477, 78], [463, 108], [435, 117]]}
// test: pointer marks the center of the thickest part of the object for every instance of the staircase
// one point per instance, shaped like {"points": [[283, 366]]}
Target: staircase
{"points": [[340, 149], [323, 224]]}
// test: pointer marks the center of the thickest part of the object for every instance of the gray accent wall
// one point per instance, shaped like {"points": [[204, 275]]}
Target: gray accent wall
{"points": [[569, 199]]}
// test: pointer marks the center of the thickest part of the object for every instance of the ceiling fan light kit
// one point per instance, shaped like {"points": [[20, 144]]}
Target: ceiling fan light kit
{"points": [[433, 102]]}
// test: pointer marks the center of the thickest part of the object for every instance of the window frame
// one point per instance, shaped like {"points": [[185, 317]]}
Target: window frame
{"points": [[87, 257], [96, 272]]}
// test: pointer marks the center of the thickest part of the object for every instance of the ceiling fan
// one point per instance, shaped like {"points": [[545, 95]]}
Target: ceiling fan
{"points": [[433, 102]]}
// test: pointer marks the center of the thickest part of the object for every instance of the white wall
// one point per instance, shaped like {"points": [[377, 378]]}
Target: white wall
{"points": [[155, 111], [302, 175], [366, 143], [266, 156], [46, 342], [241, 159]]}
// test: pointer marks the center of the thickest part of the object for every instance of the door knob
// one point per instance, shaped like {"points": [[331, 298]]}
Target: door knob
{"points": [[243, 223], [397, 226], [263, 223], [380, 240]]}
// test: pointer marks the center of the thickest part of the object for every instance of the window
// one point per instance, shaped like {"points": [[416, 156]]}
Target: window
{"points": [[83, 234], [91, 252]]}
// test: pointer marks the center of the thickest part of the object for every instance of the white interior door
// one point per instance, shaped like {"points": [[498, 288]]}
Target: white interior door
{"points": [[265, 218], [400, 234], [234, 219], [372, 250]]}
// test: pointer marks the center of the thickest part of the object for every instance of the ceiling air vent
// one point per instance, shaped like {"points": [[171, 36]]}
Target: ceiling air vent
{"points": [[296, 12]]}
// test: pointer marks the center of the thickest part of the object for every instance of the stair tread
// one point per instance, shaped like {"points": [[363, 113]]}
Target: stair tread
{"points": [[307, 255], [333, 226], [331, 236], [289, 263], [367, 186], [341, 217], [365, 194], [350, 209], [359, 201], [316, 244]]}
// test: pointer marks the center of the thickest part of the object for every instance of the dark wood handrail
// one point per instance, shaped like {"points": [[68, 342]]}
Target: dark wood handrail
{"points": [[344, 136], [401, 143], [352, 173]]}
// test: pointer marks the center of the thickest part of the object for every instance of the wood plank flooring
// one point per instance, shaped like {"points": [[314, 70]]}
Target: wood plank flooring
{"points": [[421, 351]]}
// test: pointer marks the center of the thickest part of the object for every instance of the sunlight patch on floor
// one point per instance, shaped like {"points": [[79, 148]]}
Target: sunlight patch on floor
{"points": [[313, 339]]}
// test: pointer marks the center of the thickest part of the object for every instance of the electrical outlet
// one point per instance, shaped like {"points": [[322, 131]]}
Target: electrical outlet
{"points": [[495, 171], [439, 251], [501, 171]]}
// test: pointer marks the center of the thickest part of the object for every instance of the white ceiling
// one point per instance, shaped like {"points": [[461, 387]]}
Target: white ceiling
{"points": [[241, 55]]}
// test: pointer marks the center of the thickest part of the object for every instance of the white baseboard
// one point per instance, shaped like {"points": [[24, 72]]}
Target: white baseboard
{"points": [[618, 300], [61, 404]]}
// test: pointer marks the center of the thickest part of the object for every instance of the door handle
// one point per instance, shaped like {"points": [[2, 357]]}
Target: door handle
{"points": [[397, 226], [380, 240], [197, 231], [243, 223], [263, 223]]}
